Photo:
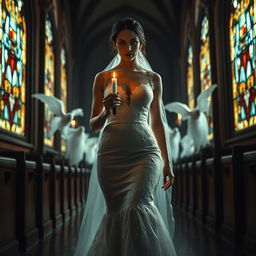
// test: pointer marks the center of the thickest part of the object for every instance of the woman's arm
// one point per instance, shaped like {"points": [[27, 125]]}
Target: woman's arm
{"points": [[101, 107], [159, 131]]}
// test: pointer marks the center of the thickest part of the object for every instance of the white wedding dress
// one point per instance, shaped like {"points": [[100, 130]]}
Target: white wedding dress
{"points": [[129, 167]]}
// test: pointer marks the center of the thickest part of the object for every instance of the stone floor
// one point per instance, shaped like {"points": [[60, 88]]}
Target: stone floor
{"points": [[191, 239]]}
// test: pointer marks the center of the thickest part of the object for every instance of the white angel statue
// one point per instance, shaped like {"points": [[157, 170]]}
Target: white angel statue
{"points": [[61, 119], [198, 127], [187, 146], [76, 143], [174, 135]]}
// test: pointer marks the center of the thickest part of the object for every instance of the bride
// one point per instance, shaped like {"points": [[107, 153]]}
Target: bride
{"points": [[134, 215]]}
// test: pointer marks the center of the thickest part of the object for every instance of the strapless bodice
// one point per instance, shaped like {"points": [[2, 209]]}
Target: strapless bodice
{"points": [[135, 103]]}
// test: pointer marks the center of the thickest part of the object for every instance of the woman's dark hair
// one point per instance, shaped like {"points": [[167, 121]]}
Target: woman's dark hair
{"points": [[131, 24]]}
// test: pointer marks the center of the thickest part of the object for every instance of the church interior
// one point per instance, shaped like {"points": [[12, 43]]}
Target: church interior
{"points": [[203, 50]]}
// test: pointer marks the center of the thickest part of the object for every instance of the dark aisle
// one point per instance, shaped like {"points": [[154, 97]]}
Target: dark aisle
{"points": [[61, 243], [191, 239]]}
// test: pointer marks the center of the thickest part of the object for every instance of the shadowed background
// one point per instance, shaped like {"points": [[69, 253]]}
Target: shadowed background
{"points": [[92, 21]]}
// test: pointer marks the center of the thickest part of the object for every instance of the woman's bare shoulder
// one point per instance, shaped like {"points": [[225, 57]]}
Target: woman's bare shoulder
{"points": [[151, 74], [102, 77], [156, 77], [153, 77]]}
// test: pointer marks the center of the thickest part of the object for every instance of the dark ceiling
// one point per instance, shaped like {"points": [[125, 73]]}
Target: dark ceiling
{"points": [[92, 19]]}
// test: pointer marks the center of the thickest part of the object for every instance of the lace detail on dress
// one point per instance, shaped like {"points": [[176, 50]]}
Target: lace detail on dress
{"points": [[149, 79]]}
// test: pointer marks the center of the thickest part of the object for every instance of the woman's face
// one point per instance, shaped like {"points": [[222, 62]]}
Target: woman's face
{"points": [[127, 44]]}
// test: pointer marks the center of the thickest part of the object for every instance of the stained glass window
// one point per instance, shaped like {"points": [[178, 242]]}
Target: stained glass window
{"points": [[64, 88], [190, 79], [242, 46], [205, 68], [49, 79], [205, 65], [12, 66]]}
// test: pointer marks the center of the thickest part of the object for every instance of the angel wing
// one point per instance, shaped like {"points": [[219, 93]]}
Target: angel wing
{"points": [[55, 105], [55, 125], [198, 130], [77, 112], [202, 99], [179, 108]]}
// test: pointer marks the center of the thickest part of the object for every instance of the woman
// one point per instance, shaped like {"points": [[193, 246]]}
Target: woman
{"points": [[132, 155]]}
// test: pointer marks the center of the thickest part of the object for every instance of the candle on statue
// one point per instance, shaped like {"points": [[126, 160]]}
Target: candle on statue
{"points": [[73, 123], [179, 120], [114, 89]]}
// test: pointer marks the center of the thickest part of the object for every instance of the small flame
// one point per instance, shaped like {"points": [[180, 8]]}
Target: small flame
{"points": [[178, 120], [114, 75], [73, 123]]}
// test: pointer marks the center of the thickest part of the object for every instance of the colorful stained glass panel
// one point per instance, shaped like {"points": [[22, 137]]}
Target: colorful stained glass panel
{"points": [[205, 65], [190, 79], [205, 68], [49, 79], [243, 62], [12, 66]]}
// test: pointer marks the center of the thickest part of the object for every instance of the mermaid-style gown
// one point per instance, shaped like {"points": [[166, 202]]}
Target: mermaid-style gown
{"points": [[129, 169]]}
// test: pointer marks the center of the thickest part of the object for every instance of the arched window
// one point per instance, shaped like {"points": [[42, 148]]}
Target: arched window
{"points": [[242, 47], [49, 79], [64, 88], [205, 67], [12, 66], [190, 79]]}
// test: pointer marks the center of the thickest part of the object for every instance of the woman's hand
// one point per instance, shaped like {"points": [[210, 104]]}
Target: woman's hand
{"points": [[168, 177], [110, 101]]}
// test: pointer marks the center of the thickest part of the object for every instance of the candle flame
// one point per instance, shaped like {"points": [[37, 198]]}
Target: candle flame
{"points": [[178, 120], [114, 75], [73, 123]]}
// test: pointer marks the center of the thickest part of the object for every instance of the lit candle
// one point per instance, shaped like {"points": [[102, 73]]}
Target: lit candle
{"points": [[114, 83], [114, 88], [73, 124], [178, 120]]}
